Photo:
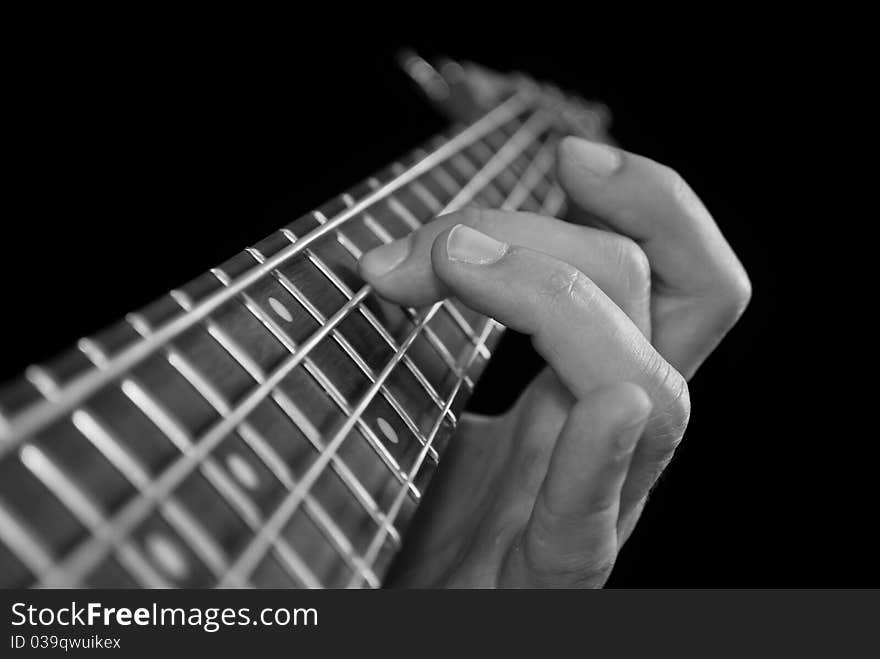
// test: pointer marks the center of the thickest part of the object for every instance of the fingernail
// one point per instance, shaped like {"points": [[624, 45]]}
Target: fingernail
{"points": [[383, 259], [599, 159], [472, 246]]}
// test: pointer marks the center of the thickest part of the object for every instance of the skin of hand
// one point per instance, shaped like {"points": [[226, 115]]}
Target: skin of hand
{"points": [[623, 311]]}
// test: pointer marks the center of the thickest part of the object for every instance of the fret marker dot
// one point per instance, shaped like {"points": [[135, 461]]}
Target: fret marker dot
{"points": [[387, 430], [167, 555], [243, 471], [280, 309]]}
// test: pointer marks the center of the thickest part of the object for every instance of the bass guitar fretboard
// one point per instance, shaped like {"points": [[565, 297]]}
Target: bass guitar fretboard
{"points": [[272, 423]]}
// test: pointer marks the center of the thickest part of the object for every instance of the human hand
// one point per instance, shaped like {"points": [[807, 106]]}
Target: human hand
{"points": [[546, 494]]}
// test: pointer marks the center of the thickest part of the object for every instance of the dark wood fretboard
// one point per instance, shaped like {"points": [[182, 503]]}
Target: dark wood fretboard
{"points": [[272, 423]]}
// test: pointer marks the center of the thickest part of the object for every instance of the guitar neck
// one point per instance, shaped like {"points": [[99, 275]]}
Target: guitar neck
{"points": [[272, 423]]}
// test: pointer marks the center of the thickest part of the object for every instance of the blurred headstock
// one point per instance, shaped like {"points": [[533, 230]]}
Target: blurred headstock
{"points": [[465, 91]]}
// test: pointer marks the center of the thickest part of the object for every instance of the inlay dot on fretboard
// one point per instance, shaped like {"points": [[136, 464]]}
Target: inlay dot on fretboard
{"points": [[243, 471], [280, 309], [167, 555], [387, 430]]}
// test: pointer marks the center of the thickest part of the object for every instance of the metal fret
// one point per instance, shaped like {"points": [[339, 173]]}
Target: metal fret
{"points": [[256, 372], [345, 474], [377, 542], [202, 446], [415, 370], [445, 355], [119, 456], [44, 382], [296, 566], [156, 413], [24, 545], [343, 544], [90, 552], [404, 213], [93, 351], [277, 466], [377, 445], [84, 385], [199, 540], [311, 433], [526, 134], [433, 339], [128, 465], [368, 433], [465, 327], [478, 148], [249, 558], [346, 346], [554, 201], [386, 238], [377, 229], [535, 125], [80, 504], [139, 568], [539, 167], [419, 190], [464, 165], [313, 508], [301, 422], [445, 180], [279, 469], [240, 502]]}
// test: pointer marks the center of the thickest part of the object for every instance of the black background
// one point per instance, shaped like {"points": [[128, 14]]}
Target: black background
{"points": [[134, 162]]}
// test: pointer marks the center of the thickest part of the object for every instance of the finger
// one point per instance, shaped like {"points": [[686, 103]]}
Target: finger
{"points": [[571, 537], [700, 287], [402, 270], [585, 338]]}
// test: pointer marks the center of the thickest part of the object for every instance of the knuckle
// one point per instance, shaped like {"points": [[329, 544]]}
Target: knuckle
{"points": [[674, 411], [565, 285], [678, 409], [737, 295], [667, 427], [559, 293]]}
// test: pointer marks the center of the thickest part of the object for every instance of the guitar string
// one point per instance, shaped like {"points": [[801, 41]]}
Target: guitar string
{"points": [[523, 187], [81, 559], [372, 553], [538, 168], [45, 411], [521, 182], [557, 191], [254, 552]]}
